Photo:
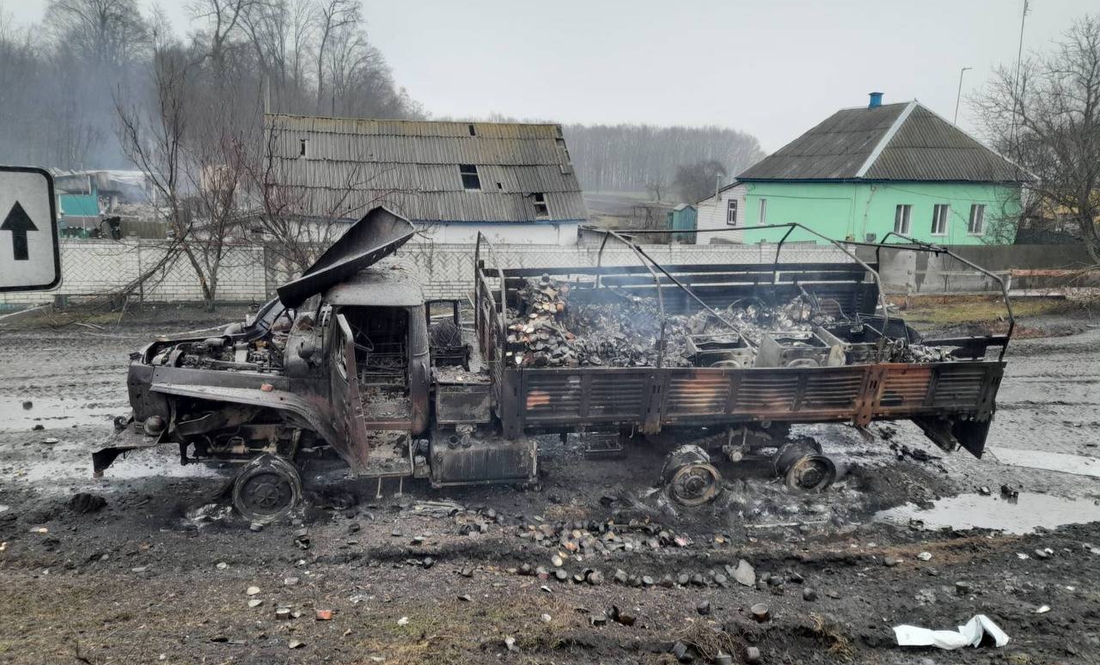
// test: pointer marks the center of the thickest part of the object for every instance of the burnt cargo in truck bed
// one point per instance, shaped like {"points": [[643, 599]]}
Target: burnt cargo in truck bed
{"points": [[953, 401]]}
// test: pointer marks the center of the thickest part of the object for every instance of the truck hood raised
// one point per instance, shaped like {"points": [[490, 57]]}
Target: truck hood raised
{"points": [[379, 233]]}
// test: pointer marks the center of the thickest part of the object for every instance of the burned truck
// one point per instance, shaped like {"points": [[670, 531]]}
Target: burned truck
{"points": [[715, 361]]}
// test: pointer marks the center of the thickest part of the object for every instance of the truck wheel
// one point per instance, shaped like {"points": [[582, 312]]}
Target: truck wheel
{"points": [[803, 467], [691, 479], [267, 488]]}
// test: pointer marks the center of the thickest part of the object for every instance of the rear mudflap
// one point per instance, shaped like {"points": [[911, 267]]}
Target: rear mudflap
{"points": [[950, 433]]}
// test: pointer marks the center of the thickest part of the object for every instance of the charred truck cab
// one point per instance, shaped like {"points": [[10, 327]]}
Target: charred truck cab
{"points": [[352, 357]]}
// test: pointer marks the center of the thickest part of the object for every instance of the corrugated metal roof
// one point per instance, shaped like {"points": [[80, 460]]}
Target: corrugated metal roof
{"points": [[864, 143], [413, 167]]}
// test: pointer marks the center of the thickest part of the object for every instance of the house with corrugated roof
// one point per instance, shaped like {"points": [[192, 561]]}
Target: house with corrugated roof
{"points": [[865, 172], [512, 181]]}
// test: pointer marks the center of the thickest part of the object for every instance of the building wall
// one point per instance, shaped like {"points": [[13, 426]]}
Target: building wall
{"points": [[711, 214], [860, 210]]}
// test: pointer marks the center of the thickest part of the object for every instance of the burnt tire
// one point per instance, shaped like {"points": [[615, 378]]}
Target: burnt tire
{"points": [[266, 489], [689, 476], [803, 467]]}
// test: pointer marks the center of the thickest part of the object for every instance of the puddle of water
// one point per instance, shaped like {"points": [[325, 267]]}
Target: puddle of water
{"points": [[131, 467], [1038, 459], [975, 511], [52, 412]]}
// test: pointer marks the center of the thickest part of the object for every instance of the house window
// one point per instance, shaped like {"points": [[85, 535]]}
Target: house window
{"points": [[303, 147], [469, 176], [731, 212], [473, 132], [763, 212], [542, 210], [901, 218], [939, 219], [977, 220]]}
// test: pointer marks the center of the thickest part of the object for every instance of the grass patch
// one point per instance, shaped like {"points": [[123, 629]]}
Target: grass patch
{"points": [[936, 311]]}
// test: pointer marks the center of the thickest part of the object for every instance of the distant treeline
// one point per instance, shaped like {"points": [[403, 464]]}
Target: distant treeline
{"points": [[64, 80], [639, 157]]}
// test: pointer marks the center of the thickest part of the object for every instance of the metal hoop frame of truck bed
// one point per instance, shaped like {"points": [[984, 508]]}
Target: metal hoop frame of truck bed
{"points": [[953, 402]]}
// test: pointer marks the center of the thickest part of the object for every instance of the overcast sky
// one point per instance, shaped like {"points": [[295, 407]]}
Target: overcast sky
{"points": [[773, 68]]}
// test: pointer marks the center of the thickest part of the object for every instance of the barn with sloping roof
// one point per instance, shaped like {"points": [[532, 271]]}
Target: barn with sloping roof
{"points": [[512, 181]]}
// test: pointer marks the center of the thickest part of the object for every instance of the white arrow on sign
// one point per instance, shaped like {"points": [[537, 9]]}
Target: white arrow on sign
{"points": [[30, 256]]}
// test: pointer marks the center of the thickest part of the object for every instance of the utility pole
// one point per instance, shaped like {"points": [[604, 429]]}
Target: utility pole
{"points": [[958, 95], [1016, 82]]}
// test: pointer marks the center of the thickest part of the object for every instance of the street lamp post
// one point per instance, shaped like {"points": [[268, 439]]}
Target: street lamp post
{"points": [[958, 95]]}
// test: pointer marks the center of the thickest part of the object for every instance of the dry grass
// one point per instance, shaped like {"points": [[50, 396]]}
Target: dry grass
{"points": [[710, 640], [833, 636], [956, 310]]}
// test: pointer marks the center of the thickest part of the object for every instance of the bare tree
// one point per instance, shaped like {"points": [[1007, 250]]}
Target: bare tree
{"points": [[224, 18], [695, 182], [1048, 121], [656, 188], [158, 140], [109, 32], [69, 73], [334, 18]]}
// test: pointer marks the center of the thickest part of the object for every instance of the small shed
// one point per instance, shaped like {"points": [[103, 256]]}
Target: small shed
{"points": [[682, 218]]}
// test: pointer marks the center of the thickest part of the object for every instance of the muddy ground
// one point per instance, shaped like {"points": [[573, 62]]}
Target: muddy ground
{"points": [[161, 573]]}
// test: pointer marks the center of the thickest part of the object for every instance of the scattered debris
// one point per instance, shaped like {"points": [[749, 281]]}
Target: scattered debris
{"points": [[744, 573], [252, 590], [760, 612], [971, 634], [85, 503]]}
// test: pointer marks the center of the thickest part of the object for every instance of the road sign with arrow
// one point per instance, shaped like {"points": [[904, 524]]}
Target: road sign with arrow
{"points": [[30, 257]]}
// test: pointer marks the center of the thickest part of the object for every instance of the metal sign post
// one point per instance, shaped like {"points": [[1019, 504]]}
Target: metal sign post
{"points": [[30, 256]]}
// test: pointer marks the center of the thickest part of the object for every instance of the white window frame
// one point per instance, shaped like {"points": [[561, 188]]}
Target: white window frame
{"points": [[903, 215], [731, 212], [972, 228], [941, 217], [763, 212]]}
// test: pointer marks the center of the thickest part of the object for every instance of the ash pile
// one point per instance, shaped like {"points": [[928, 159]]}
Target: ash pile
{"points": [[550, 330]]}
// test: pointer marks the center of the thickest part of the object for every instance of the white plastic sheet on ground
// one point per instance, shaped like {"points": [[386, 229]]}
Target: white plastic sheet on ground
{"points": [[972, 634]]}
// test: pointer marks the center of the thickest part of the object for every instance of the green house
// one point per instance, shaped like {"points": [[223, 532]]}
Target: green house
{"points": [[867, 171]]}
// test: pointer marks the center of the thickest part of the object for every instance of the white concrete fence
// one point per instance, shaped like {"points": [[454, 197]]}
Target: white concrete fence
{"points": [[248, 273]]}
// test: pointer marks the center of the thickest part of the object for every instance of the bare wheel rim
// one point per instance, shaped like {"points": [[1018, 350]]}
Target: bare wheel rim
{"points": [[812, 473], [694, 484], [266, 489]]}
